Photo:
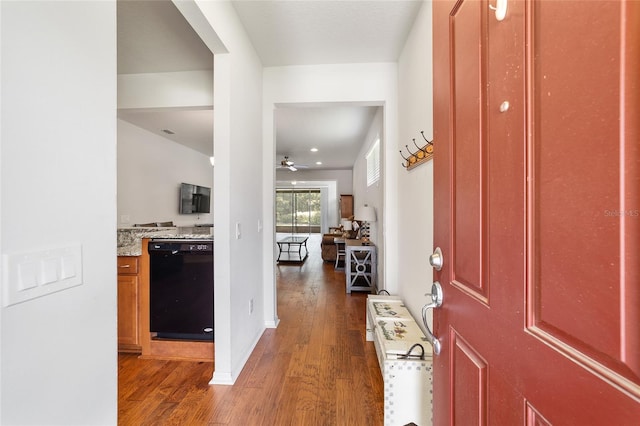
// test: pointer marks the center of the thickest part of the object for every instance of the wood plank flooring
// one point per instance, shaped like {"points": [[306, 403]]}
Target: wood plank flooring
{"points": [[315, 369]]}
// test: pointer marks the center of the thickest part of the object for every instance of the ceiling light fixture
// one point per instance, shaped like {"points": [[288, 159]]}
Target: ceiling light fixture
{"points": [[319, 163], [314, 149]]}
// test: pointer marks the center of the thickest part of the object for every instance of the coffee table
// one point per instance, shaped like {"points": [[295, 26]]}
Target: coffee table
{"points": [[293, 241]]}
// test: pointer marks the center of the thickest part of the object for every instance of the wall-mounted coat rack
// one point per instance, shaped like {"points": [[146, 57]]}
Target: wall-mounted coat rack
{"points": [[422, 155]]}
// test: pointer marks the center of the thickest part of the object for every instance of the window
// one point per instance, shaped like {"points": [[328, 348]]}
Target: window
{"points": [[298, 211], [373, 163]]}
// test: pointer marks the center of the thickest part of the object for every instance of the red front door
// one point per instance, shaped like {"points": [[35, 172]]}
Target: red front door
{"points": [[537, 212]]}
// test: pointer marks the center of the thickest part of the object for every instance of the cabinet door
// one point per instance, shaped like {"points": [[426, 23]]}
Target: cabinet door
{"points": [[346, 205], [128, 310]]}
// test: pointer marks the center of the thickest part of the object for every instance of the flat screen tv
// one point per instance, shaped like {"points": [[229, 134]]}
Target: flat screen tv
{"points": [[194, 199]]}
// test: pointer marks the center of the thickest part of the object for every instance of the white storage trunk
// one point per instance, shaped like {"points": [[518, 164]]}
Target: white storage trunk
{"points": [[408, 394], [407, 382]]}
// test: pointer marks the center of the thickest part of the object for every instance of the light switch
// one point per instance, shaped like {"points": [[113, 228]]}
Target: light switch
{"points": [[68, 267], [48, 270], [238, 233], [27, 275]]}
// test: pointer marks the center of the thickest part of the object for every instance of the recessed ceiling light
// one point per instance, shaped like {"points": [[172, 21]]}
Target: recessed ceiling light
{"points": [[314, 149], [318, 162]]}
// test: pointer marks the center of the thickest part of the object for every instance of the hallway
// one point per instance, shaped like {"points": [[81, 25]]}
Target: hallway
{"points": [[314, 369]]}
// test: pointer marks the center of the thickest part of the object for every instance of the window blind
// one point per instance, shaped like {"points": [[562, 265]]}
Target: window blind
{"points": [[373, 163]]}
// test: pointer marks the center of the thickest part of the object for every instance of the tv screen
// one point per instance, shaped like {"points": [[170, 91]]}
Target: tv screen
{"points": [[194, 199]]}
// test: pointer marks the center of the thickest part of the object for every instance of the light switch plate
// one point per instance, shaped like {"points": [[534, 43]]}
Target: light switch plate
{"points": [[36, 273]]}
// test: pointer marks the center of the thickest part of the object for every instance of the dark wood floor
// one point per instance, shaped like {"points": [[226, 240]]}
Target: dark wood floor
{"points": [[314, 369]]}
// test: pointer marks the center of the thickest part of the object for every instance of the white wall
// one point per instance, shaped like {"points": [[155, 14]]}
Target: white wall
{"points": [[363, 84], [184, 89], [415, 187], [373, 195], [150, 170], [343, 178], [58, 186], [238, 193]]}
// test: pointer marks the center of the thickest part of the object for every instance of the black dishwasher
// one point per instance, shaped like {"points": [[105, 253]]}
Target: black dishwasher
{"points": [[181, 289]]}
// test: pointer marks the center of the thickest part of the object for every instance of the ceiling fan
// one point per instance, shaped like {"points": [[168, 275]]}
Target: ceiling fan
{"points": [[286, 163]]}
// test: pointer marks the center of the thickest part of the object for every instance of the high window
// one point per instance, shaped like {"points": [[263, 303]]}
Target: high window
{"points": [[373, 163]]}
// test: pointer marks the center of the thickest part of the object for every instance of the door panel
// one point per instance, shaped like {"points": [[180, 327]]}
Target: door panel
{"points": [[537, 212], [469, 145], [534, 418], [469, 371], [584, 212]]}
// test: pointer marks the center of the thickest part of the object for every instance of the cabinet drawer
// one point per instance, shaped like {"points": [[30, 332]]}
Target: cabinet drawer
{"points": [[128, 310], [127, 264]]}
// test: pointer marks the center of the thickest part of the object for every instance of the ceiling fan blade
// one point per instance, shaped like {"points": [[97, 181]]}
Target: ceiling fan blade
{"points": [[286, 162], [293, 169]]}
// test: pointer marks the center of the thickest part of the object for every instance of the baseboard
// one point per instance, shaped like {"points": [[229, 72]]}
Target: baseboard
{"points": [[272, 324], [221, 379], [229, 378]]}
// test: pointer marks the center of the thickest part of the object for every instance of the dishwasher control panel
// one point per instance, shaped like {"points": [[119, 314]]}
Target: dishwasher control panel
{"points": [[181, 246]]}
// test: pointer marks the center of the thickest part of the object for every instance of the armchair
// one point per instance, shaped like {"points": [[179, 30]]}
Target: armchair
{"points": [[329, 249]]}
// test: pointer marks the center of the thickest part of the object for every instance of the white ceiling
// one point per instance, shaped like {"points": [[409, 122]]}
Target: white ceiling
{"points": [[327, 32], [336, 131], [154, 37]]}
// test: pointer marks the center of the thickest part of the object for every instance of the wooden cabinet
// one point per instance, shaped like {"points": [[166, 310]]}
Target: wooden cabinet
{"points": [[128, 304], [346, 205]]}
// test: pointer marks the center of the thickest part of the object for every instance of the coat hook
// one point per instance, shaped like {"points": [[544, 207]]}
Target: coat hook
{"points": [[421, 149], [426, 140], [413, 156]]}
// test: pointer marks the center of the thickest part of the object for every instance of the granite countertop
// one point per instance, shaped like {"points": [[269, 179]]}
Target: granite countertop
{"points": [[130, 239]]}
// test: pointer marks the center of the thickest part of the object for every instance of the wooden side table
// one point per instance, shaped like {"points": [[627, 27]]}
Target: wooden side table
{"points": [[360, 266]]}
